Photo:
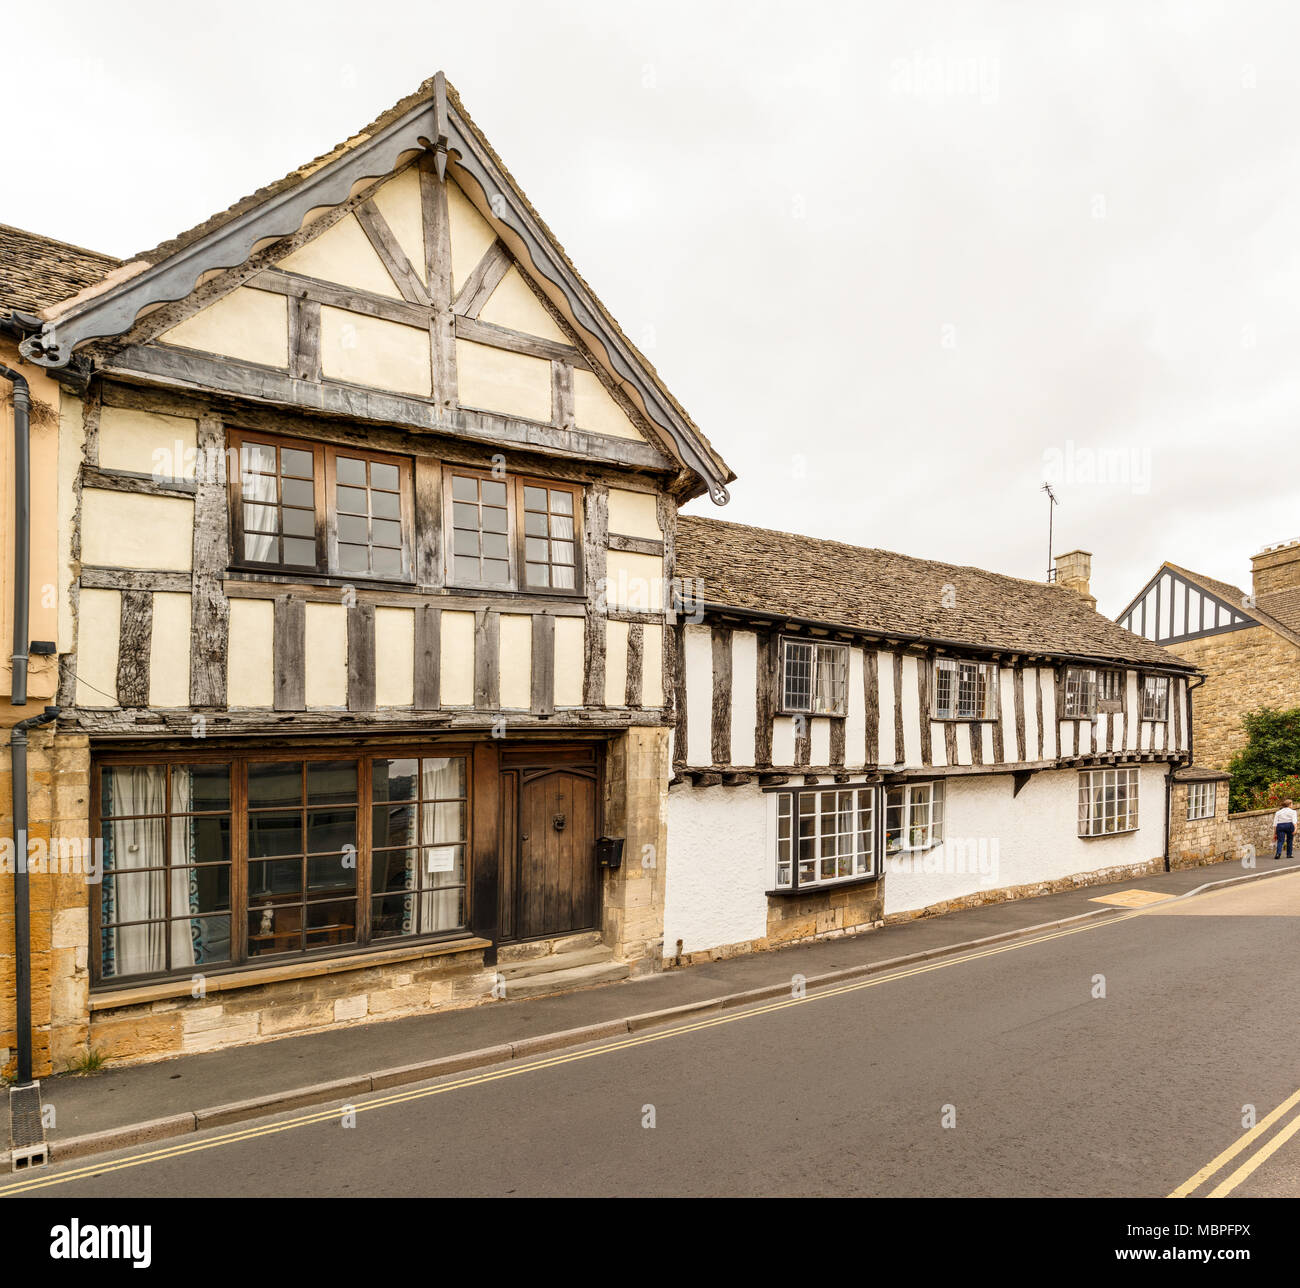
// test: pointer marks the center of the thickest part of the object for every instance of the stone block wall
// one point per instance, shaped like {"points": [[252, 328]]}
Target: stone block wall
{"points": [[1193, 842], [1245, 670], [58, 896]]}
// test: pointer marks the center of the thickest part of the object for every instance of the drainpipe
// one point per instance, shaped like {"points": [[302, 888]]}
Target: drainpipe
{"points": [[22, 906], [22, 531]]}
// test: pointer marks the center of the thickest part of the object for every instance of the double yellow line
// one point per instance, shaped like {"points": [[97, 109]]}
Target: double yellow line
{"points": [[1248, 1141], [190, 1146]]}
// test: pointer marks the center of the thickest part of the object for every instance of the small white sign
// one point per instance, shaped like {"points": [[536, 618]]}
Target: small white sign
{"points": [[441, 859]]}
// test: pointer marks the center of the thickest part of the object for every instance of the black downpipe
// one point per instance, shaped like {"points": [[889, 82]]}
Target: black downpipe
{"points": [[22, 904], [22, 532]]}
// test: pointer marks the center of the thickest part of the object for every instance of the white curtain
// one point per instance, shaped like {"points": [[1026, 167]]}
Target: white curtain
{"points": [[259, 490], [442, 831], [136, 843], [184, 892]]}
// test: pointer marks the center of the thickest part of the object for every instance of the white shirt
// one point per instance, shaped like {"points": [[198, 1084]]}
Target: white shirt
{"points": [[1284, 815]]}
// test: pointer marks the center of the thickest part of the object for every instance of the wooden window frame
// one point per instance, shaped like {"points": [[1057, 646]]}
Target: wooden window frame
{"points": [[515, 534], [935, 832], [992, 673], [325, 487], [239, 758], [1132, 777], [795, 797], [1202, 800], [1116, 703], [783, 707], [1142, 700]]}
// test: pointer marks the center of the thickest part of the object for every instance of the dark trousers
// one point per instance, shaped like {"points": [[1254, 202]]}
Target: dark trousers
{"points": [[1285, 831]]}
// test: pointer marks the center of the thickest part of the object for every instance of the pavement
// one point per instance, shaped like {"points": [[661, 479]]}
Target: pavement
{"points": [[119, 1107]]}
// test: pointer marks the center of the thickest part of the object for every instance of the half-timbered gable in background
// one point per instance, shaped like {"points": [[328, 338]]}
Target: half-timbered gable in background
{"points": [[851, 720], [1247, 644]]}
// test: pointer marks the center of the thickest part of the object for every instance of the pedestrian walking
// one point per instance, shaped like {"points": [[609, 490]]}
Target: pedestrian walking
{"points": [[1284, 822]]}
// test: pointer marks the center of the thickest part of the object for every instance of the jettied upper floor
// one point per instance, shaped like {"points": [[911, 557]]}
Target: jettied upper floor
{"points": [[401, 279]]}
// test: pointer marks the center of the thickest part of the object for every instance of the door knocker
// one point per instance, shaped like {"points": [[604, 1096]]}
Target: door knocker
{"points": [[558, 821]]}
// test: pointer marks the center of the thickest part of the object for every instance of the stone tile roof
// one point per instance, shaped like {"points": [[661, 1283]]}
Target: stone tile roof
{"points": [[36, 271], [897, 595]]}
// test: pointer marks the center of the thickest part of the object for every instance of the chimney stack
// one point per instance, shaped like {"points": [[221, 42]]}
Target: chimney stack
{"points": [[1074, 572], [1275, 568]]}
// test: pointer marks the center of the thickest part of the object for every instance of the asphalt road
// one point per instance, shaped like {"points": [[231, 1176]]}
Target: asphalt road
{"points": [[999, 1073]]}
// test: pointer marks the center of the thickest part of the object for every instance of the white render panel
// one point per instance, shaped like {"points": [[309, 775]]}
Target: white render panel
{"points": [[855, 723], [911, 712], [1134, 700], [938, 743], [1068, 731], [985, 733], [1051, 725], [783, 740], [1029, 678], [698, 648], [995, 840], [819, 740], [1011, 749], [744, 696], [717, 866], [964, 756], [889, 754]]}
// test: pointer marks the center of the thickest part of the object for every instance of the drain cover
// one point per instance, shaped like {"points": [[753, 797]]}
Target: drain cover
{"points": [[25, 1127]]}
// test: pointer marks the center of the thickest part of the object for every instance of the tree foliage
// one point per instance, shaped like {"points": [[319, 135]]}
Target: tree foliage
{"points": [[1270, 757]]}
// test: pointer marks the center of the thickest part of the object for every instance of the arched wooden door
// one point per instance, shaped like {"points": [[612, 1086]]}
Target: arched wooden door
{"points": [[556, 889]]}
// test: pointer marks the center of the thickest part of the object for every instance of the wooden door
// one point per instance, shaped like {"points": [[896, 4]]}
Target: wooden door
{"points": [[555, 887]]}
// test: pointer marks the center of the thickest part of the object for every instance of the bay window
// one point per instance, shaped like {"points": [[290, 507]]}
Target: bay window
{"points": [[1108, 801], [825, 836], [249, 856], [913, 817]]}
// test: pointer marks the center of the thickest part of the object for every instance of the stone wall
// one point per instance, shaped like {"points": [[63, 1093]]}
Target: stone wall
{"points": [[168, 1019], [58, 896], [1245, 670], [1247, 836], [636, 808]]}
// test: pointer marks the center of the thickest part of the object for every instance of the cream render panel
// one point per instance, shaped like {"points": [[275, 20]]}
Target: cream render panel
{"points": [[99, 620], [570, 652], [634, 514], [888, 754], [146, 442], [169, 651], [634, 581], [514, 306], [697, 644], [133, 530], [652, 666], [470, 235], [744, 696], [514, 384], [250, 665], [326, 662], [394, 657], [343, 254], [248, 325], [372, 351], [457, 659], [516, 665], [399, 203], [616, 634], [595, 410]]}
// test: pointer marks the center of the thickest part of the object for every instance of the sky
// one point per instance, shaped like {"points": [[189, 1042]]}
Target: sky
{"points": [[903, 262]]}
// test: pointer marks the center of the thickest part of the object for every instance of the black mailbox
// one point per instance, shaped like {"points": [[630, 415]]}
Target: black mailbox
{"points": [[609, 852]]}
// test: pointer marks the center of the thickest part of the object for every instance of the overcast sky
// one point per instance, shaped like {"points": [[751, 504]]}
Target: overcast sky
{"points": [[902, 262]]}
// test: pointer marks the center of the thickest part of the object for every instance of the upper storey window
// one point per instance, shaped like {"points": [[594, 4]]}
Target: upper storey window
{"points": [[304, 507]]}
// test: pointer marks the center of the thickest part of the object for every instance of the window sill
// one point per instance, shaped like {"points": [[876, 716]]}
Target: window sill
{"points": [[815, 715], [295, 576], [969, 720], [825, 887], [251, 977], [1109, 836]]}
